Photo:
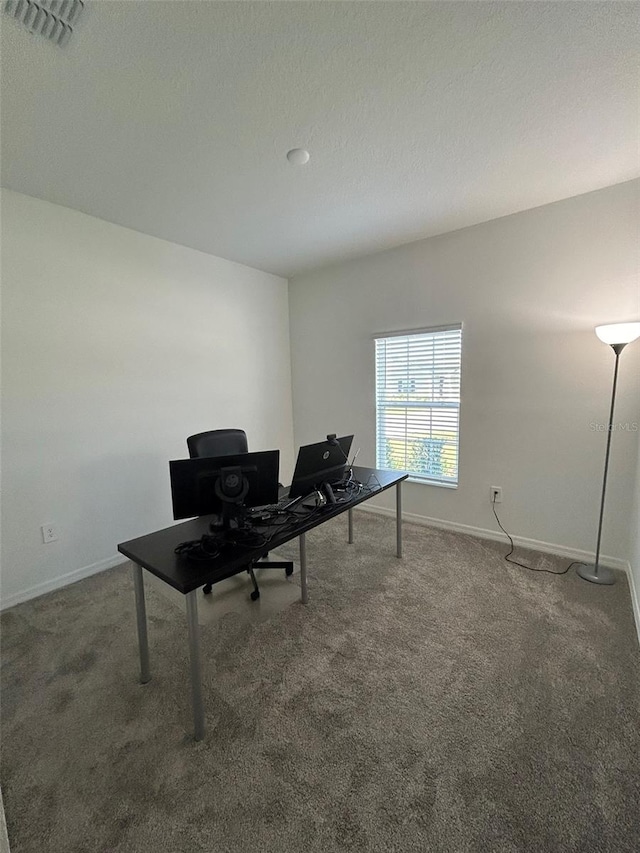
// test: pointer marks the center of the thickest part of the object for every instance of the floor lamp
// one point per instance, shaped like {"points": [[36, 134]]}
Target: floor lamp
{"points": [[617, 335]]}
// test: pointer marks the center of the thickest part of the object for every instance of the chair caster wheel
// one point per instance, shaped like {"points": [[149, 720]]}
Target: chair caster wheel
{"points": [[289, 571], [255, 595], [207, 588]]}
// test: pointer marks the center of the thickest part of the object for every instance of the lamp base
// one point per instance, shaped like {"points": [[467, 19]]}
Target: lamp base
{"points": [[602, 574]]}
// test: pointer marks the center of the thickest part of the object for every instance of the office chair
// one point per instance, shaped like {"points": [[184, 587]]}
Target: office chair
{"points": [[218, 442], [226, 442]]}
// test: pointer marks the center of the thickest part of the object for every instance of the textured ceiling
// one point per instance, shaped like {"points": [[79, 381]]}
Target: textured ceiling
{"points": [[174, 118]]}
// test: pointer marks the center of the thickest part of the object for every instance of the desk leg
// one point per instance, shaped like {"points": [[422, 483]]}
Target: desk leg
{"points": [[399, 519], [350, 514], [141, 615], [194, 654], [303, 569]]}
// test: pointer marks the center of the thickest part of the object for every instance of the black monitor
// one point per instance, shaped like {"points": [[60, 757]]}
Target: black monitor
{"points": [[208, 485], [320, 463]]}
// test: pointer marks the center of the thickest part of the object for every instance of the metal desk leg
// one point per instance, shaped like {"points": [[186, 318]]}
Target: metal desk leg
{"points": [[194, 654], [399, 518], [303, 569], [141, 615], [350, 514]]}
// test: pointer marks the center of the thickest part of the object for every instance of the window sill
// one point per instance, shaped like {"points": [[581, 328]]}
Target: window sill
{"points": [[421, 482]]}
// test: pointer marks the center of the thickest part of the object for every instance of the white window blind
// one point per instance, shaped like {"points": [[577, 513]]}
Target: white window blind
{"points": [[418, 403]]}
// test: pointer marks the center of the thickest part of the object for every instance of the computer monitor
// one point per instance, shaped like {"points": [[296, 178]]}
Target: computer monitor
{"points": [[320, 463], [198, 485]]}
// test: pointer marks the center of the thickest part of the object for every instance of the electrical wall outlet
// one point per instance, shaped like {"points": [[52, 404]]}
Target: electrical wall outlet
{"points": [[49, 533], [496, 494]]}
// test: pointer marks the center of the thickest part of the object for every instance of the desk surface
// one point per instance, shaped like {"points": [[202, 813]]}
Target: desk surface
{"points": [[155, 552]]}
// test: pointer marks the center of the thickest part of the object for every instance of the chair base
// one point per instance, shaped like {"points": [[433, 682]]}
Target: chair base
{"points": [[287, 565]]}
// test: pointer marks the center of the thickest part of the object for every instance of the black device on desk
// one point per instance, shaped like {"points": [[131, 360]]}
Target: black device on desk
{"points": [[319, 465], [209, 485]]}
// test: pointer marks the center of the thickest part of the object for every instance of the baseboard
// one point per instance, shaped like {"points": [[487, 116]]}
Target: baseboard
{"points": [[4, 838], [497, 536], [635, 598], [59, 582]]}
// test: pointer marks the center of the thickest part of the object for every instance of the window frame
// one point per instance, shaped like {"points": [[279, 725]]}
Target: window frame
{"points": [[414, 476]]}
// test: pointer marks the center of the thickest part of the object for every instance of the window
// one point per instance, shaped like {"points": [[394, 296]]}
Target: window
{"points": [[418, 403]]}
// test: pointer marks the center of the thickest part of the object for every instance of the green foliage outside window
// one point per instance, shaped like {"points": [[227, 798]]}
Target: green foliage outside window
{"points": [[427, 457]]}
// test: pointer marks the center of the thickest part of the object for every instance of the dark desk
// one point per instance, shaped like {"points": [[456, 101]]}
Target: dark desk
{"points": [[155, 553]]}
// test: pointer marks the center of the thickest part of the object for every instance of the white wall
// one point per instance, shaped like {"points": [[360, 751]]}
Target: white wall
{"points": [[529, 289], [116, 346]]}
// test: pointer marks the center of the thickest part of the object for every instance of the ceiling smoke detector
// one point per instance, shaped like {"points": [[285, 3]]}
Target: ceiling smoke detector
{"points": [[51, 19], [298, 156]]}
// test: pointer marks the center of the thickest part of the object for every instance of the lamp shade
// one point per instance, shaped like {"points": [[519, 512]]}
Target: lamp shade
{"points": [[618, 333]]}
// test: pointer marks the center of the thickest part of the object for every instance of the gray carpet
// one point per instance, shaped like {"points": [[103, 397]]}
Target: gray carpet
{"points": [[448, 702]]}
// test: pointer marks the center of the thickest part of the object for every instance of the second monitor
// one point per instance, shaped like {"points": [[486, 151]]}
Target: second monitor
{"points": [[320, 463]]}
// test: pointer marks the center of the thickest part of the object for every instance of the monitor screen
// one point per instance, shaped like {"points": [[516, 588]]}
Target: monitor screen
{"points": [[319, 463], [193, 481]]}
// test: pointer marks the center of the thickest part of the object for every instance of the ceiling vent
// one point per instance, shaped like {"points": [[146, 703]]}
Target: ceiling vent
{"points": [[51, 19]]}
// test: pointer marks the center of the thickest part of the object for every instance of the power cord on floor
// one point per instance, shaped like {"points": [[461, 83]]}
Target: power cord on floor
{"points": [[507, 556]]}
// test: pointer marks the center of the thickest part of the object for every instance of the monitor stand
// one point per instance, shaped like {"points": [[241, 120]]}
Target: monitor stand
{"points": [[232, 487], [233, 518]]}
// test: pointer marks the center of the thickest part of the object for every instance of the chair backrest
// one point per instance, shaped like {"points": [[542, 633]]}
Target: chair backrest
{"points": [[218, 442]]}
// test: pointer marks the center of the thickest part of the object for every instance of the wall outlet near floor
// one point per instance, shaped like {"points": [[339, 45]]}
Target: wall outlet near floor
{"points": [[49, 533], [496, 494]]}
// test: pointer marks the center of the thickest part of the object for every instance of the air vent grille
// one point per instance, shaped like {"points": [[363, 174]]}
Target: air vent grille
{"points": [[51, 19]]}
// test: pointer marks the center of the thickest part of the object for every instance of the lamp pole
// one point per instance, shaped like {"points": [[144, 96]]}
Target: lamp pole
{"points": [[597, 573], [617, 335]]}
